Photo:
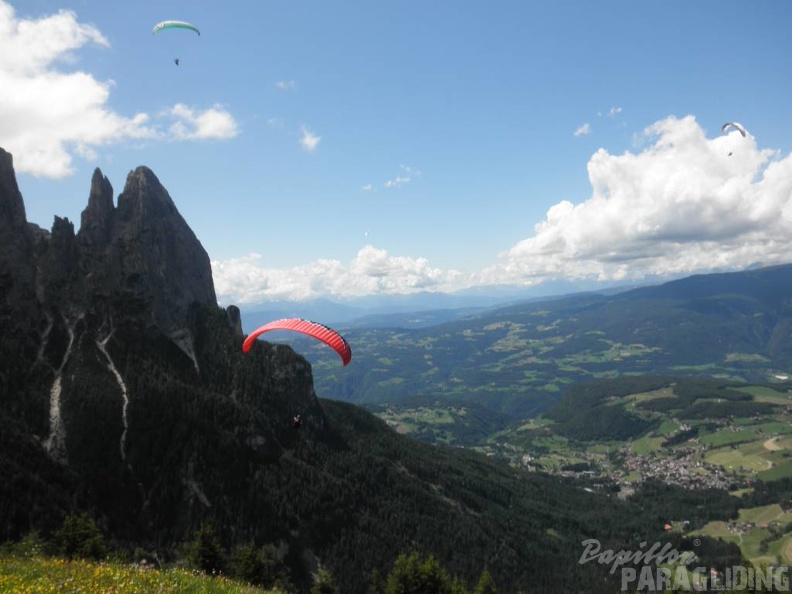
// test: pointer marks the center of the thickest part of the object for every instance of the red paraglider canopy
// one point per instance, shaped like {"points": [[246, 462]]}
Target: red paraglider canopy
{"points": [[327, 335]]}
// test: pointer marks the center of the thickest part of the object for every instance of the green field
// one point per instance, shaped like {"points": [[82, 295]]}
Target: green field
{"points": [[753, 535], [765, 514], [42, 575], [737, 459], [722, 438], [647, 444], [420, 415], [768, 456], [742, 492], [777, 424], [411, 421], [667, 428], [765, 394], [716, 530], [777, 472], [535, 424]]}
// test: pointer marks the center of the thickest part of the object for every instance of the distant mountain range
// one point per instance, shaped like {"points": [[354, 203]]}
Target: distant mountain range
{"points": [[426, 308], [520, 358], [414, 310]]}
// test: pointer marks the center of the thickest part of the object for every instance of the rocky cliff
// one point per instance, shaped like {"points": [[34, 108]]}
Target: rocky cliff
{"points": [[17, 247], [115, 347]]}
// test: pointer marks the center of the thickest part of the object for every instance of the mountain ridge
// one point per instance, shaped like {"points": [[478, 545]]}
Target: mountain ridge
{"points": [[520, 358]]}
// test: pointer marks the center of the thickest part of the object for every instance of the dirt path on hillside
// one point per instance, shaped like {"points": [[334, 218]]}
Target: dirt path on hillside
{"points": [[772, 444]]}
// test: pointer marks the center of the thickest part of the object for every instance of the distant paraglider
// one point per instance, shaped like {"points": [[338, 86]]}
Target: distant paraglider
{"points": [[728, 126], [162, 26], [165, 25], [327, 335]]}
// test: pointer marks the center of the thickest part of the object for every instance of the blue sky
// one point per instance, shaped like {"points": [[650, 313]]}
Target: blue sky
{"points": [[322, 148]]}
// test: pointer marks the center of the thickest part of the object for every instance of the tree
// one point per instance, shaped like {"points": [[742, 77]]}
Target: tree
{"points": [[411, 575], [261, 567], [435, 579], [31, 545], [458, 586], [405, 577], [485, 584], [375, 583], [206, 553], [323, 582], [79, 537], [246, 564]]}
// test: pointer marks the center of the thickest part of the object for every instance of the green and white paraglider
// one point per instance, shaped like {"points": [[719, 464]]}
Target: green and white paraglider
{"points": [[164, 25], [167, 25]]}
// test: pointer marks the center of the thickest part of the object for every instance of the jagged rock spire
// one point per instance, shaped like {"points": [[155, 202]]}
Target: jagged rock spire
{"points": [[17, 241], [155, 255], [12, 208], [97, 218]]}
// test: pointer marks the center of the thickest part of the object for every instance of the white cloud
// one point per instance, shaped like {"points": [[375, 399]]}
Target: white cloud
{"points": [[584, 130], [275, 123], [612, 112], [309, 140], [246, 280], [405, 177], [286, 85], [367, 188], [31, 46], [190, 124], [680, 206], [49, 115]]}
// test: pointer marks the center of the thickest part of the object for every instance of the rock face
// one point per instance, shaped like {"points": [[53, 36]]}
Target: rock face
{"points": [[141, 253], [96, 222], [152, 255], [17, 246], [114, 355]]}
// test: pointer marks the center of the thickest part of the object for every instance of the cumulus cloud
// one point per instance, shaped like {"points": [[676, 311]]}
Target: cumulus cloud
{"points": [[684, 204], [367, 188], [681, 204], [31, 46], [190, 124], [286, 85], [406, 175], [46, 114], [584, 130], [372, 270], [309, 141], [50, 113]]}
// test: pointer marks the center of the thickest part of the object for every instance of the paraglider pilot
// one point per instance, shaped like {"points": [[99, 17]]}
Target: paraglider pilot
{"points": [[297, 422]]}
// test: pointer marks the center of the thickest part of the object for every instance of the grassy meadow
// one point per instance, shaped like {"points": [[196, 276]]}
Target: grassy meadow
{"points": [[44, 575]]}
